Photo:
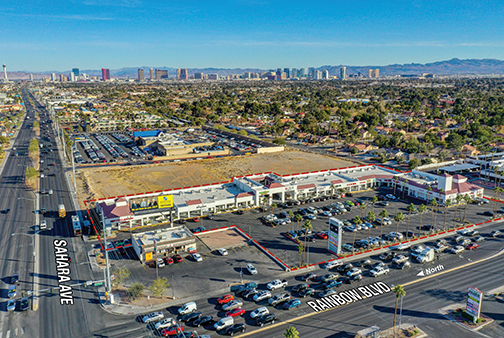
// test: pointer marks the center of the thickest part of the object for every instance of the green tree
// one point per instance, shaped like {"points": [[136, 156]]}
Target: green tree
{"points": [[291, 332], [413, 163], [31, 173], [357, 221], [307, 226], [279, 141], [383, 214], [291, 217], [298, 218], [410, 209], [121, 274], [399, 292], [273, 206], [135, 291], [497, 191], [4, 140], [371, 217], [300, 248], [362, 207], [159, 286], [374, 199], [399, 217], [421, 209]]}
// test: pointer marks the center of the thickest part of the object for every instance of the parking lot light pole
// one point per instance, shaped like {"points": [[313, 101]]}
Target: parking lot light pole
{"points": [[172, 288]]}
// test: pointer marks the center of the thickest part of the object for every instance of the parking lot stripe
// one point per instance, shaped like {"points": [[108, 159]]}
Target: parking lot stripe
{"points": [[144, 267]]}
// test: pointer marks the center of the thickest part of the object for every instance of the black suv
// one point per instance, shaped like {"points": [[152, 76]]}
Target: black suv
{"points": [[240, 327], [266, 319]]}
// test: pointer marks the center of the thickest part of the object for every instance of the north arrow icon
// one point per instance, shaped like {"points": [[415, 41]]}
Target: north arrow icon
{"points": [[421, 273]]}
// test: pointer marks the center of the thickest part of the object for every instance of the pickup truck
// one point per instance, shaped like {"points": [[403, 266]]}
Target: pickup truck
{"points": [[379, 271], [280, 298], [276, 284]]}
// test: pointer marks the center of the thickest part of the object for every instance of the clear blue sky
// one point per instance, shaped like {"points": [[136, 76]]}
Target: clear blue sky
{"points": [[57, 35]]}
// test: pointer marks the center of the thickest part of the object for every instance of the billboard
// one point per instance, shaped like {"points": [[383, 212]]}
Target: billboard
{"points": [[334, 235], [474, 299], [151, 202]]}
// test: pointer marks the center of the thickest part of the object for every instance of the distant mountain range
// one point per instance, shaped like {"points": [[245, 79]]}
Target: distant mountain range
{"points": [[449, 67]]}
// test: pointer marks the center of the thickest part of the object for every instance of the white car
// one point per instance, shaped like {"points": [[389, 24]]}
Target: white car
{"points": [[379, 271], [312, 210], [353, 272], [43, 224], [152, 317], [165, 323], [223, 252], [458, 249], [277, 284], [399, 259], [197, 257], [262, 295], [259, 312], [332, 264], [232, 305], [251, 269]]}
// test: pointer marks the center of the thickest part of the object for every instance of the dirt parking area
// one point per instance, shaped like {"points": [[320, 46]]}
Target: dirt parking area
{"points": [[222, 239], [115, 181]]}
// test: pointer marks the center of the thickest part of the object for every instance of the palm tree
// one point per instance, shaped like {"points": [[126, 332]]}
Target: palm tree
{"points": [[357, 220], [374, 199], [398, 291], [433, 203], [307, 226], [265, 200], [298, 218], [371, 217], [497, 191], [421, 209], [467, 200], [382, 214], [395, 183], [291, 216], [410, 209], [332, 189], [399, 217], [459, 199], [405, 180], [291, 332], [446, 205], [273, 206], [362, 207], [300, 248]]}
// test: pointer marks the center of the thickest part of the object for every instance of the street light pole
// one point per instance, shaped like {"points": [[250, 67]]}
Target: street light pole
{"points": [[107, 280], [104, 271]]}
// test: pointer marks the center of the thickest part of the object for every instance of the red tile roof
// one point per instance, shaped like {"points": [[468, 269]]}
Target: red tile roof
{"points": [[113, 211], [336, 181], [275, 185], [194, 202], [245, 194], [305, 186]]}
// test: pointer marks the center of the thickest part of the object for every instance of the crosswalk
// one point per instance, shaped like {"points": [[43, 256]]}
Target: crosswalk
{"points": [[17, 332]]}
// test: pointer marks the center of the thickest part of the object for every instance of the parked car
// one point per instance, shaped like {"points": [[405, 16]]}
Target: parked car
{"points": [[152, 317], [300, 287], [251, 269], [240, 327], [277, 284], [232, 305], [280, 298], [259, 312], [189, 317], [306, 292], [363, 262], [262, 295], [225, 299], [222, 252], [495, 233], [293, 303], [457, 249], [472, 246], [353, 279], [331, 284], [11, 305], [269, 318], [309, 276], [178, 259], [379, 271], [235, 312], [167, 322], [205, 320], [250, 294]]}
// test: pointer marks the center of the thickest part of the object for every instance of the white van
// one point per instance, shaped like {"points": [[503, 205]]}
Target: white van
{"points": [[187, 308], [223, 323]]}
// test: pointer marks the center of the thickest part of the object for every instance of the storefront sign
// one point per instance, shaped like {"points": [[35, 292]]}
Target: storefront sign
{"points": [[165, 201], [474, 299]]}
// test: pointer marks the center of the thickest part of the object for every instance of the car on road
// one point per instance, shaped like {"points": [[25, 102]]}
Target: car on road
{"points": [[152, 317], [306, 292], [293, 303], [190, 316], [353, 272], [167, 322], [259, 312], [172, 330], [280, 298], [6, 211], [232, 305], [300, 287], [12, 291], [331, 284], [309, 276], [251, 269], [472, 246], [457, 249], [379, 271], [261, 296], [14, 278], [495, 233], [235, 328], [269, 318], [205, 320], [326, 293], [24, 305], [277, 284], [236, 312], [11, 305], [222, 252], [225, 299]]}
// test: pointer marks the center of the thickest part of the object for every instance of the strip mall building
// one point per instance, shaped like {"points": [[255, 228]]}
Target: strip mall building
{"points": [[124, 212]]}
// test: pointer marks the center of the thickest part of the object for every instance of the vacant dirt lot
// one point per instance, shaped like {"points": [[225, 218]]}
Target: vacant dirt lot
{"points": [[114, 181]]}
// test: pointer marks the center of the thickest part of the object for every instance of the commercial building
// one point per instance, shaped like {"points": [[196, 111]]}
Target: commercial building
{"points": [[75, 72], [260, 189], [343, 73], [105, 74], [161, 74], [199, 76], [151, 74], [141, 75], [161, 243]]}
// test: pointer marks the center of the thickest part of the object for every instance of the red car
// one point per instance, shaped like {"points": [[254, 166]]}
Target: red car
{"points": [[178, 259], [195, 219], [173, 330], [472, 246], [322, 235], [169, 260], [225, 299], [235, 312]]}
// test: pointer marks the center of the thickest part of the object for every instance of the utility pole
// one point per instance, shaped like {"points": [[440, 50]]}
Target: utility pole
{"points": [[107, 281]]}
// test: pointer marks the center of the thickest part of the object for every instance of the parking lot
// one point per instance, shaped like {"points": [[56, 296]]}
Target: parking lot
{"points": [[273, 238]]}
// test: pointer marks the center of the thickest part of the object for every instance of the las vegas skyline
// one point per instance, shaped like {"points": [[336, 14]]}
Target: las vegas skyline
{"points": [[90, 34]]}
